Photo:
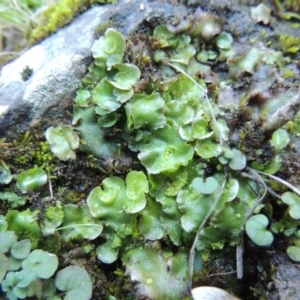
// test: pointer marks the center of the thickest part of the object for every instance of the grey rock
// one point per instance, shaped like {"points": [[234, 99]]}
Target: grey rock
{"points": [[287, 282], [60, 62]]}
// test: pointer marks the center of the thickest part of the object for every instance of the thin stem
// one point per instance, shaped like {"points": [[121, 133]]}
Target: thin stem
{"points": [[77, 225], [193, 248], [50, 184], [220, 274], [290, 186], [239, 252], [24, 11], [253, 175], [8, 53]]}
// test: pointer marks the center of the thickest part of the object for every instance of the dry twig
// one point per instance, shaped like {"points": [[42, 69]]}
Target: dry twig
{"points": [[283, 115]]}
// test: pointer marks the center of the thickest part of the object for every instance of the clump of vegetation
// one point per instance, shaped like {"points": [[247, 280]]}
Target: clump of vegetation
{"points": [[60, 14], [26, 73], [288, 9], [29, 273], [181, 182]]}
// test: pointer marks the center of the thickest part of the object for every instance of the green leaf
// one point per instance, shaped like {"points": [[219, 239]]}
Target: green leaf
{"points": [[21, 250], [180, 112], [145, 111], [207, 148], [278, 227], [108, 203], [111, 43], [78, 223], [108, 252], [16, 284], [108, 120], [183, 89], [5, 175], [175, 185], [226, 225], [123, 95], [158, 277], [3, 266], [13, 199], [294, 253], [231, 190], [97, 71], [7, 240], [75, 281], [35, 288], [280, 139], [113, 60], [136, 187], [246, 64], [14, 263], [273, 166], [223, 129], [126, 75], [49, 288], [205, 55], [53, 217], [293, 201], [32, 179], [63, 141], [82, 97], [166, 150], [25, 278], [239, 160], [207, 186], [194, 206], [200, 129], [256, 230], [92, 134], [150, 224], [3, 224], [224, 40], [25, 225], [164, 37], [103, 96], [41, 263]]}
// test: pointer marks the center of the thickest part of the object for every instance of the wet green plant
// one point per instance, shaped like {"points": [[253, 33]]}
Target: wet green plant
{"points": [[186, 186], [63, 141], [31, 179], [25, 273], [177, 133], [256, 230], [5, 175], [288, 9]]}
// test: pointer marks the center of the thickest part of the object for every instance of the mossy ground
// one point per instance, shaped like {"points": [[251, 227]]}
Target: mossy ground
{"points": [[72, 181]]}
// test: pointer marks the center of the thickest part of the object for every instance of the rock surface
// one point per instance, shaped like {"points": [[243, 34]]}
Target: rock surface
{"points": [[287, 281], [60, 62]]}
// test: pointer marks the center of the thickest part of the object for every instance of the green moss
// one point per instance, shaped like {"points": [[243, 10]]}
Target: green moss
{"points": [[60, 14], [26, 73], [289, 44], [28, 151]]}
